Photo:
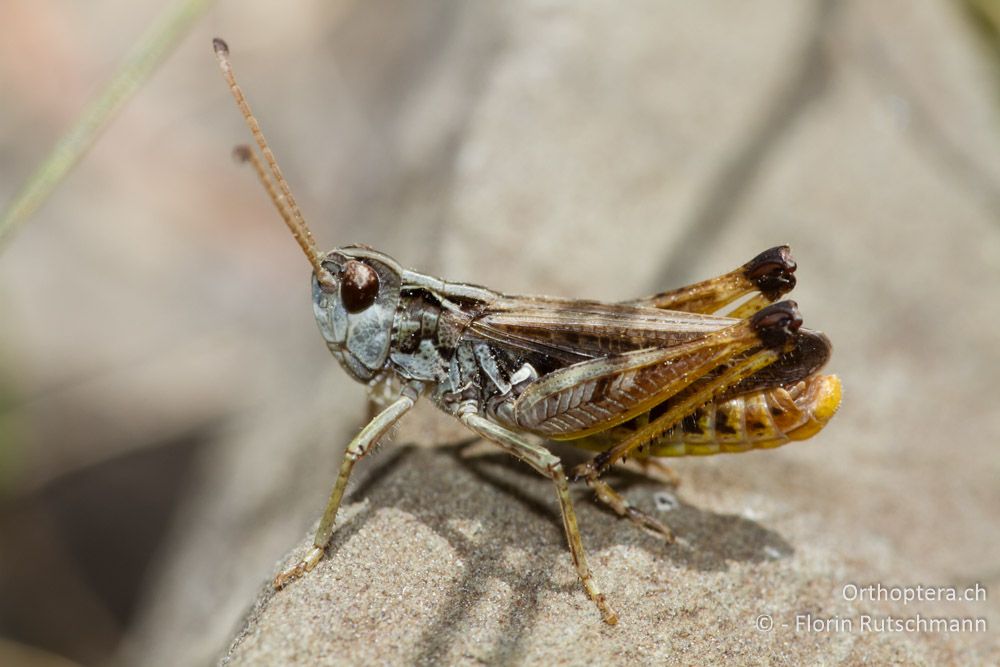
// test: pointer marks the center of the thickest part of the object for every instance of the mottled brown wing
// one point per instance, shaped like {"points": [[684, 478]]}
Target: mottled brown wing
{"points": [[594, 395]]}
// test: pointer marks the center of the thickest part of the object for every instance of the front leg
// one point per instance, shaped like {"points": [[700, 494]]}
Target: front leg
{"points": [[547, 464], [356, 450]]}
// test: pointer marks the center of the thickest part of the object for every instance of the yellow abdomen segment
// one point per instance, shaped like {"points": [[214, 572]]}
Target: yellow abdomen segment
{"points": [[758, 420]]}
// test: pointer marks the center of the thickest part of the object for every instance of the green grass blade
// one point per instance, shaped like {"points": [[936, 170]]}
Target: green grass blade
{"points": [[158, 41]]}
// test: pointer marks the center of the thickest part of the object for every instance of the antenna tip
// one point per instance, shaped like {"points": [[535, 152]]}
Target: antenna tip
{"points": [[242, 153], [220, 46]]}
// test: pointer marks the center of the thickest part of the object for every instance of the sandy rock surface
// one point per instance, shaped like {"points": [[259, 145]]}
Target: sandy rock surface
{"points": [[598, 136]]}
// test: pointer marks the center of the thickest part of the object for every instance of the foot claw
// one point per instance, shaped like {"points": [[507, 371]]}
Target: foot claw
{"points": [[285, 577], [608, 614], [649, 523], [289, 575]]}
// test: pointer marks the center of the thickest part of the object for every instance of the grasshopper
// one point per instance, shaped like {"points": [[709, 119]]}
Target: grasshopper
{"points": [[660, 376]]}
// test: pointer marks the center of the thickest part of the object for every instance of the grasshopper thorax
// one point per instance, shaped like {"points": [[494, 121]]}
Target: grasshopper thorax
{"points": [[355, 312]]}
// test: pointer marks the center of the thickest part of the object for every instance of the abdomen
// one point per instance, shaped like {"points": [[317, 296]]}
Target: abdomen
{"points": [[757, 420]]}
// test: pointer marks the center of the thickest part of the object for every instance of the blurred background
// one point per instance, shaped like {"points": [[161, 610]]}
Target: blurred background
{"points": [[169, 418]]}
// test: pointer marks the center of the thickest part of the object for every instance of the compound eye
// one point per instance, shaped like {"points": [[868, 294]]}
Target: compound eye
{"points": [[358, 286]]}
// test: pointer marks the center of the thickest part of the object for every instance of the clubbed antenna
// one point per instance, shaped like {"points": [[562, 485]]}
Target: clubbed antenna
{"points": [[282, 197]]}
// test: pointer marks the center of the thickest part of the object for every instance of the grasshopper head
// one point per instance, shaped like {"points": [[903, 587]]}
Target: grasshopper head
{"points": [[355, 310], [355, 289]]}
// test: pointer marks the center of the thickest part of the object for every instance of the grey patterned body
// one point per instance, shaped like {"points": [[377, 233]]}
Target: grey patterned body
{"points": [[419, 332]]}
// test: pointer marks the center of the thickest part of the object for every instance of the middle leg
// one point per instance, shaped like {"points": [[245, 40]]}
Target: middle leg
{"points": [[546, 463]]}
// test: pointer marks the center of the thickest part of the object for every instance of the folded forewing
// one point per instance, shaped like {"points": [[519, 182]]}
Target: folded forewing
{"points": [[596, 394], [583, 329]]}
